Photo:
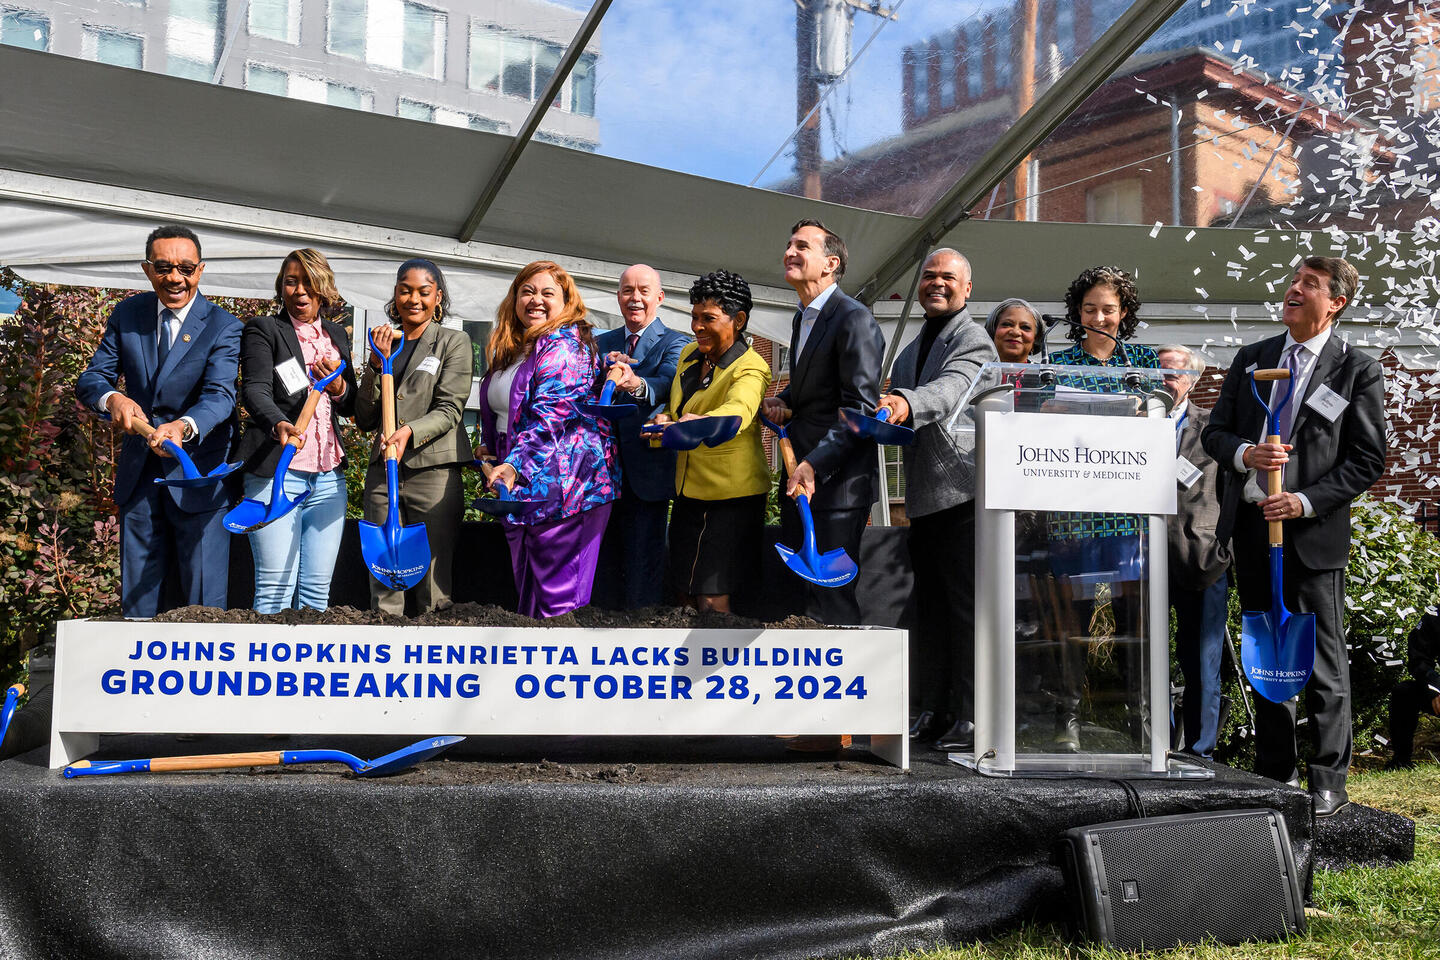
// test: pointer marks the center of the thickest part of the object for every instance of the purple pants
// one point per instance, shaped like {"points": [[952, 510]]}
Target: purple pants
{"points": [[554, 561]]}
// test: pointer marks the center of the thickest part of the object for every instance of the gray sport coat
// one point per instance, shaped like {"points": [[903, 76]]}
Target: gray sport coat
{"points": [[940, 464]]}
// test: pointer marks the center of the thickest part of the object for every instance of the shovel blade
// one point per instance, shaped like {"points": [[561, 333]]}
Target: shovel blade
{"points": [[1278, 657], [496, 507], [711, 431], [407, 756], [400, 565], [831, 569], [249, 515], [883, 433], [214, 476], [609, 411]]}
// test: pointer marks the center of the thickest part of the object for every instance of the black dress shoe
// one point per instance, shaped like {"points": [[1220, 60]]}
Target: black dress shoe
{"points": [[958, 738], [926, 726], [1328, 802]]}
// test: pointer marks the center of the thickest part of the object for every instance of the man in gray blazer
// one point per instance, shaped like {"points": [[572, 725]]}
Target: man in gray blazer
{"points": [[929, 378], [1198, 560]]}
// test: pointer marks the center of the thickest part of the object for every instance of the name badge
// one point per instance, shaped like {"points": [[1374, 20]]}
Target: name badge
{"points": [[430, 365], [292, 378], [1186, 472], [1327, 403]]}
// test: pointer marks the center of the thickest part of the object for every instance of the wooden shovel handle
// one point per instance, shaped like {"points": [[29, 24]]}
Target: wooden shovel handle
{"points": [[307, 413], [1279, 373], [788, 453], [19, 689], [1276, 481], [614, 375], [142, 428], [387, 411], [217, 761]]}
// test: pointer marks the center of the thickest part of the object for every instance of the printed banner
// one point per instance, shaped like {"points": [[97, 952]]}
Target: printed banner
{"points": [[1069, 462]]}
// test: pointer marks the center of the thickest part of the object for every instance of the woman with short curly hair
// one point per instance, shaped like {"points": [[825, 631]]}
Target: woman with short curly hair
{"points": [[1102, 308], [717, 524]]}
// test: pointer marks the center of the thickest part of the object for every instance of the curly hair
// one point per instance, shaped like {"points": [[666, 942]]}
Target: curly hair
{"points": [[727, 290], [511, 338], [1124, 286]]}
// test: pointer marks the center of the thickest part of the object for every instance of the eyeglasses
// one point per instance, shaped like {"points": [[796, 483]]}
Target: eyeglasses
{"points": [[163, 267]]}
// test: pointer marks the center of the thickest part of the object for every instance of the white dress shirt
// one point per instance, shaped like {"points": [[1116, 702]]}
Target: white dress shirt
{"points": [[808, 316]]}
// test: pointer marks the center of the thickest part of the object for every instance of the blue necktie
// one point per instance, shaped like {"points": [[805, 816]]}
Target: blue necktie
{"points": [[162, 347], [1287, 416]]}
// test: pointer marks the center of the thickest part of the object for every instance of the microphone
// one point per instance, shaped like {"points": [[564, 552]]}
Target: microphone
{"points": [[1133, 382]]}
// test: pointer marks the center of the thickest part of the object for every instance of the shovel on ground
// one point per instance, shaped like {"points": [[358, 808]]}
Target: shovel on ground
{"points": [[190, 475], [397, 556], [12, 697], [504, 503], [1277, 647], [834, 568], [689, 434], [877, 428], [605, 407], [250, 514], [390, 763]]}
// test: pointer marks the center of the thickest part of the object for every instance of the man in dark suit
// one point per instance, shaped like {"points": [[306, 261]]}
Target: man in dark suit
{"points": [[632, 554], [835, 357], [931, 375], [178, 354], [1335, 426], [1199, 593]]}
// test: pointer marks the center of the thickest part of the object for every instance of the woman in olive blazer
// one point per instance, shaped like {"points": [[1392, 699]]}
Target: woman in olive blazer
{"points": [[433, 373], [717, 525], [295, 555]]}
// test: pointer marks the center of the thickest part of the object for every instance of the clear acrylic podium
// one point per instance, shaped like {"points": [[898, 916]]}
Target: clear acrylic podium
{"points": [[1072, 616]]}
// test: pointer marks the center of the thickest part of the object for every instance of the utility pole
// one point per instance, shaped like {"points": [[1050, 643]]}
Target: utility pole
{"points": [[822, 52]]}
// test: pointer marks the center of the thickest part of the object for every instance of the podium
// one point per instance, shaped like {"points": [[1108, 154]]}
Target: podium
{"points": [[1076, 470]]}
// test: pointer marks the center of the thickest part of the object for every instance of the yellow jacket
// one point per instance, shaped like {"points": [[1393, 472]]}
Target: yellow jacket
{"points": [[737, 467]]}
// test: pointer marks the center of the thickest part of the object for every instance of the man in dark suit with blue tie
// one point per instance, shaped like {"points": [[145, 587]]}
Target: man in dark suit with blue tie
{"points": [[1332, 449], [178, 355], [835, 355], [632, 555]]}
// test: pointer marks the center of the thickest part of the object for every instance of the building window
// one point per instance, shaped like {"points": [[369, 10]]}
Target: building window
{"points": [[21, 28], [947, 75], [192, 32], [561, 140], [262, 79], [1117, 202], [415, 110], [999, 31], [920, 84], [424, 44], [107, 46], [518, 70], [484, 58], [547, 59], [345, 28], [974, 61], [189, 69], [339, 95], [582, 86], [276, 19]]}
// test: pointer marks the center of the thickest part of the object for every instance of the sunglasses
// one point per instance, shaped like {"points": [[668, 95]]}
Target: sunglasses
{"points": [[163, 267]]}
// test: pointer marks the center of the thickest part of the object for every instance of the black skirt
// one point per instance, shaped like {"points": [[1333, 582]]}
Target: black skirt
{"points": [[715, 544]]}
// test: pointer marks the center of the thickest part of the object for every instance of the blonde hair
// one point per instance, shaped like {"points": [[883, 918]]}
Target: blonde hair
{"points": [[511, 338], [319, 278]]}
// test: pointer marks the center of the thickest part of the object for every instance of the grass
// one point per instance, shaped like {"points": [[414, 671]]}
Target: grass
{"points": [[1362, 913]]}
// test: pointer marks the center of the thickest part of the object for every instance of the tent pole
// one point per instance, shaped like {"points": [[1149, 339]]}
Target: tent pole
{"points": [[588, 26], [1051, 109]]}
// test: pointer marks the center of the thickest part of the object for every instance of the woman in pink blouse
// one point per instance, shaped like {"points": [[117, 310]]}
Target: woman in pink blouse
{"points": [[295, 555]]}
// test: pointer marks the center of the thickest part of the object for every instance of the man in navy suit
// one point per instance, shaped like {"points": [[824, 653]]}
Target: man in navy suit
{"points": [[632, 555], [1332, 449], [835, 355], [178, 355]]}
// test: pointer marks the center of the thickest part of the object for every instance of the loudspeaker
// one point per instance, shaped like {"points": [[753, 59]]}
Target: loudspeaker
{"points": [[1157, 882]]}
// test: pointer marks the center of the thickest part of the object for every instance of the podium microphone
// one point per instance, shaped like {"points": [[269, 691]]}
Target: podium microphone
{"points": [[1133, 381]]}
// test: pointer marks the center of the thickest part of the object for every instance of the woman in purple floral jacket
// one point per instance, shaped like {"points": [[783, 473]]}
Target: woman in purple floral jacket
{"points": [[542, 366]]}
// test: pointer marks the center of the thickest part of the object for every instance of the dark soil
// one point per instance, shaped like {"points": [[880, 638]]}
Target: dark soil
{"points": [[478, 615]]}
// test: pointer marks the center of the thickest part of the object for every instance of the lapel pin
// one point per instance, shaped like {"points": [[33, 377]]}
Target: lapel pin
{"points": [[185, 337]]}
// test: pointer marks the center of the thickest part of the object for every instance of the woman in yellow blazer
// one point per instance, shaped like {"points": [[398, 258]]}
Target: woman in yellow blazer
{"points": [[718, 522]]}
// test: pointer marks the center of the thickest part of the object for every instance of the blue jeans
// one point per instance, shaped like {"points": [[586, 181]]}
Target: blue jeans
{"points": [[1200, 648], [299, 549]]}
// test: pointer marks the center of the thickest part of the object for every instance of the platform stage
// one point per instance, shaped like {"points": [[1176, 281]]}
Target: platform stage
{"points": [[552, 847]]}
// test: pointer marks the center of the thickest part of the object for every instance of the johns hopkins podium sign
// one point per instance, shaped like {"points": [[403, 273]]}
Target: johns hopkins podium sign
{"points": [[1076, 472]]}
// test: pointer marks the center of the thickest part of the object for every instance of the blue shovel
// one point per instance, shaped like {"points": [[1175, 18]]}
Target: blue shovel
{"points": [[397, 556], [12, 697], [417, 752], [1277, 647], [190, 475], [877, 428], [605, 407], [504, 503], [250, 514], [689, 434], [834, 568]]}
